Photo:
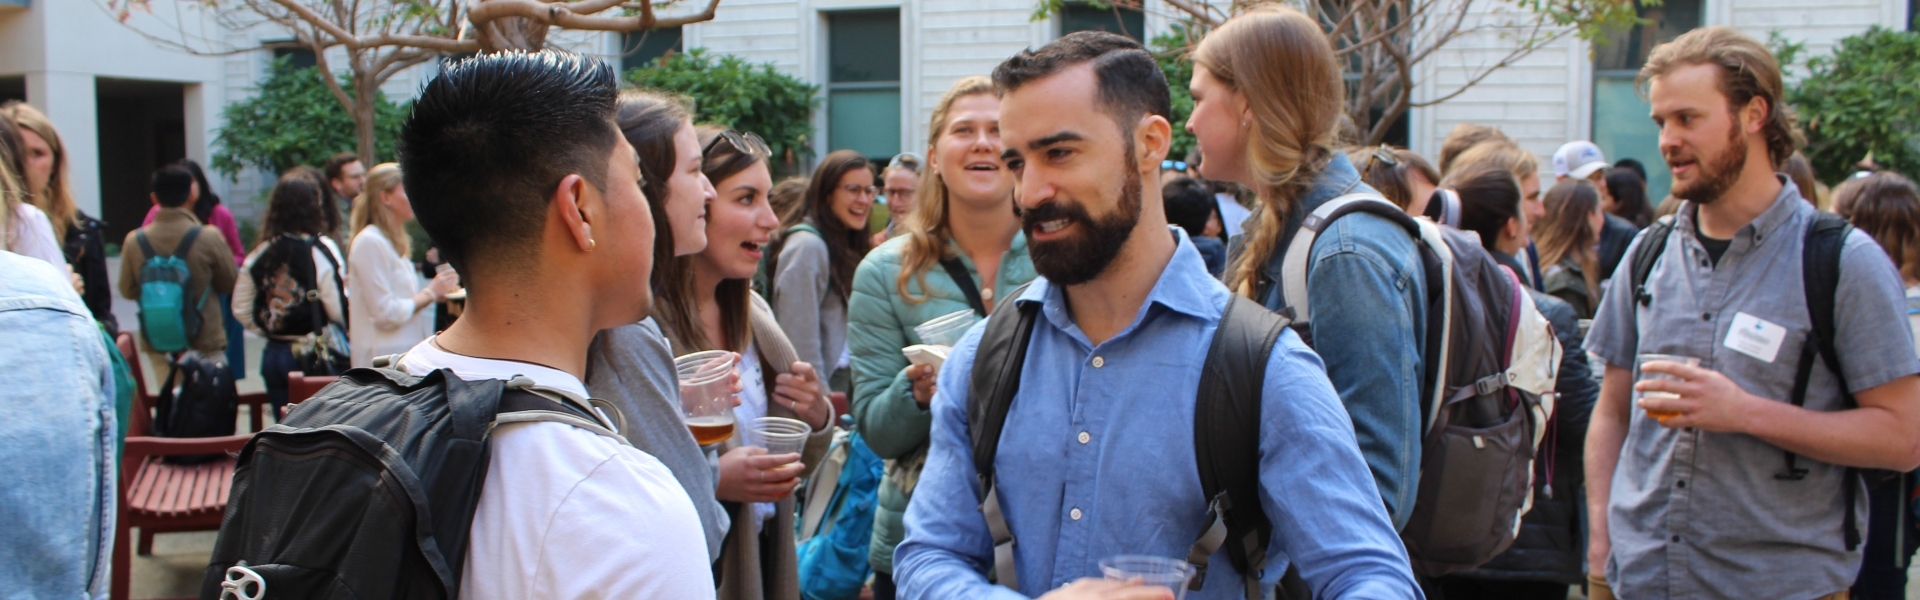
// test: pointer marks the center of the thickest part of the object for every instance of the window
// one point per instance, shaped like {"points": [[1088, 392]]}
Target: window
{"points": [[638, 49], [298, 57], [863, 82], [1081, 16], [1620, 125]]}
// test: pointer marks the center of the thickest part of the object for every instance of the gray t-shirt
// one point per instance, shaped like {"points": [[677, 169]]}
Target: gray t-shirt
{"points": [[631, 366], [1695, 514]]}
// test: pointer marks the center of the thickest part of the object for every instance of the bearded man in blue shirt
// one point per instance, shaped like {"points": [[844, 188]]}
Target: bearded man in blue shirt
{"points": [[1097, 456]]}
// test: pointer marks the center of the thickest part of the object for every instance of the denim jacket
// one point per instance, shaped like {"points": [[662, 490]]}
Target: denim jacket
{"points": [[56, 438], [1367, 287]]}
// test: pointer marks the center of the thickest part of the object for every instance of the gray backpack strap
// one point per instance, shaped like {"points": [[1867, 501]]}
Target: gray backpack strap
{"points": [[525, 402], [1293, 268]]}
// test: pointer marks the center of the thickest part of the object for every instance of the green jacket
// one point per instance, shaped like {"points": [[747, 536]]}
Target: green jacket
{"points": [[881, 323]]}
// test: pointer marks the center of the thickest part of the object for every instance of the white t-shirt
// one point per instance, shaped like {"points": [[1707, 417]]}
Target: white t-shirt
{"points": [[33, 236], [1232, 214], [568, 513]]}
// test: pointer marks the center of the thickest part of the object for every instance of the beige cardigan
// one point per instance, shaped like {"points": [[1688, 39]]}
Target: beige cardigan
{"points": [[765, 566]]}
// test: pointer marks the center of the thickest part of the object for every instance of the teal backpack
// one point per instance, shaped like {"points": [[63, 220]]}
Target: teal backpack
{"points": [[168, 319]]}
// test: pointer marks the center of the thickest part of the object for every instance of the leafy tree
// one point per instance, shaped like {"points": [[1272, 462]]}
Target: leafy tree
{"points": [[1384, 42], [730, 92], [1170, 49], [382, 38], [295, 120], [1863, 101]]}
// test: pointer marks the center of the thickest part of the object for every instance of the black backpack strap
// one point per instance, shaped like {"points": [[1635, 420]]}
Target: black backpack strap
{"points": [[146, 247], [1226, 434], [1652, 244], [997, 364], [339, 289], [1826, 239], [962, 278], [186, 243]]}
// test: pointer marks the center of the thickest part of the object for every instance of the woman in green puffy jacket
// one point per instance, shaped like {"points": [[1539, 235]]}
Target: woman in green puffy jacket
{"points": [[963, 222]]}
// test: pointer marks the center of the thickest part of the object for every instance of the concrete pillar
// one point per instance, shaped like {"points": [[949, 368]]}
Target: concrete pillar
{"points": [[68, 100]]}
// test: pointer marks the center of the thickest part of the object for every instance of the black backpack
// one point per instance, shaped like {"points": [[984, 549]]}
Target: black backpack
{"points": [[1820, 266], [367, 490], [286, 287], [206, 404], [1226, 424]]}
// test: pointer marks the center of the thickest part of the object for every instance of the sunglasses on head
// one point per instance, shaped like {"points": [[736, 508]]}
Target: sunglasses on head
{"points": [[1382, 155], [746, 143], [905, 159]]}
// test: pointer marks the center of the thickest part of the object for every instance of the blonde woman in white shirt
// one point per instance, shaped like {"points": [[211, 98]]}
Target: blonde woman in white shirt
{"points": [[391, 315]]}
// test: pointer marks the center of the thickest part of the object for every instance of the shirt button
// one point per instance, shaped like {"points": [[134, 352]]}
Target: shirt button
{"points": [[1099, 362], [1074, 514], [1706, 316], [1676, 539], [1682, 484], [1085, 437]]}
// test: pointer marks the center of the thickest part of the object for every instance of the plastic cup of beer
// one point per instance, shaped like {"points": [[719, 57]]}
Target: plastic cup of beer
{"points": [[780, 435], [1640, 367], [1155, 571], [946, 329], [706, 395]]}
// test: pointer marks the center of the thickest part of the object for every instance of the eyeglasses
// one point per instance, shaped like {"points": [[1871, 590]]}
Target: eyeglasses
{"points": [[1173, 165], [909, 160], [746, 143], [898, 192], [861, 190], [1381, 154]]}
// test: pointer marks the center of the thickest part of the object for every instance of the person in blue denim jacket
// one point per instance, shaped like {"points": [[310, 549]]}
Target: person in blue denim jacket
{"points": [[56, 437], [1267, 100]]}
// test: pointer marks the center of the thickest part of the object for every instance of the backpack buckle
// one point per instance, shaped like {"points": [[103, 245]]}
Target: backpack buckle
{"points": [[1490, 384], [239, 577]]}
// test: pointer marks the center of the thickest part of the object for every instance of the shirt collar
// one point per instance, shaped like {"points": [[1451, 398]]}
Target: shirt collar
{"points": [[1184, 287], [1787, 206], [175, 214], [1337, 179]]}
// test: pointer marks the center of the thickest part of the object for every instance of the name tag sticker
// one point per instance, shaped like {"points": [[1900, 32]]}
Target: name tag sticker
{"points": [[1755, 337]]}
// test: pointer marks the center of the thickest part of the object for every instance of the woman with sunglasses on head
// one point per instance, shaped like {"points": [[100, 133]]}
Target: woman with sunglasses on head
{"points": [[707, 305], [1399, 174], [631, 366], [963, 237], [810, 262]]}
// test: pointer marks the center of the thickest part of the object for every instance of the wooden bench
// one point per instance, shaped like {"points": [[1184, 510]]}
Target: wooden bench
{"points": [[161, 497]]}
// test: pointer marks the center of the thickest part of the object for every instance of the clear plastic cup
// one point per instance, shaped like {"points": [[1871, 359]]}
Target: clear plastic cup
{"points": [[1153, 571], [780, 435], [1640, 370], [706, 395], [946, 329]]}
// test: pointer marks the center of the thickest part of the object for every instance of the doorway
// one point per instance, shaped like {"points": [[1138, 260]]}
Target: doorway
{"points": [[142, 126]]}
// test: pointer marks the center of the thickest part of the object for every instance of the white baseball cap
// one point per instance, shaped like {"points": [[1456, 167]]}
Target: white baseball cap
{"points": [[1578, 160]]}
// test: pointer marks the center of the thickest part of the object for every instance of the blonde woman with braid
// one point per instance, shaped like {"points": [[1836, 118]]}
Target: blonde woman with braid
{"points": [[391, 315], [1268, 94], [962, 226]]}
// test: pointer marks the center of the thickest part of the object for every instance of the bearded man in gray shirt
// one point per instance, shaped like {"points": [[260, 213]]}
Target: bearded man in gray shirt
{"points": [[1693, 503]]}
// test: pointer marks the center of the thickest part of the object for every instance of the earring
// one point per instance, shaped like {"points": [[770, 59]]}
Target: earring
{"points": [[591, 243]]}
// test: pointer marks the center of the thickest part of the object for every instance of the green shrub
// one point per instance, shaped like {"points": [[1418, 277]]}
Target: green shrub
{"points": [[730, 92], [295, 120], [1862, 100]]}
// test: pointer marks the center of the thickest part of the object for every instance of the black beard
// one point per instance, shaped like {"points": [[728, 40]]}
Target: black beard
{"points": [[1718, 174], [1086, 255]]}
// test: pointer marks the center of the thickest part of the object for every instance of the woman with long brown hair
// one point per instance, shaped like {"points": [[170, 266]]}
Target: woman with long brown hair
{"points": [[1569, 238], [631, 366], [811, 268], [1268, 93], [718, 311], [962, 235]]}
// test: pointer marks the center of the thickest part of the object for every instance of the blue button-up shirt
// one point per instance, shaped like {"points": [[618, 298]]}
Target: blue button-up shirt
{"points": [[1097, 460]]}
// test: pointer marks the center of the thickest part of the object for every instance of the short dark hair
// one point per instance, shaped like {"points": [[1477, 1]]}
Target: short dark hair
{"points": [[491, 137], [1632, 164], [173, 186], [1131, 83], [1629, 194], [1189, 204], [337, 163]]}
